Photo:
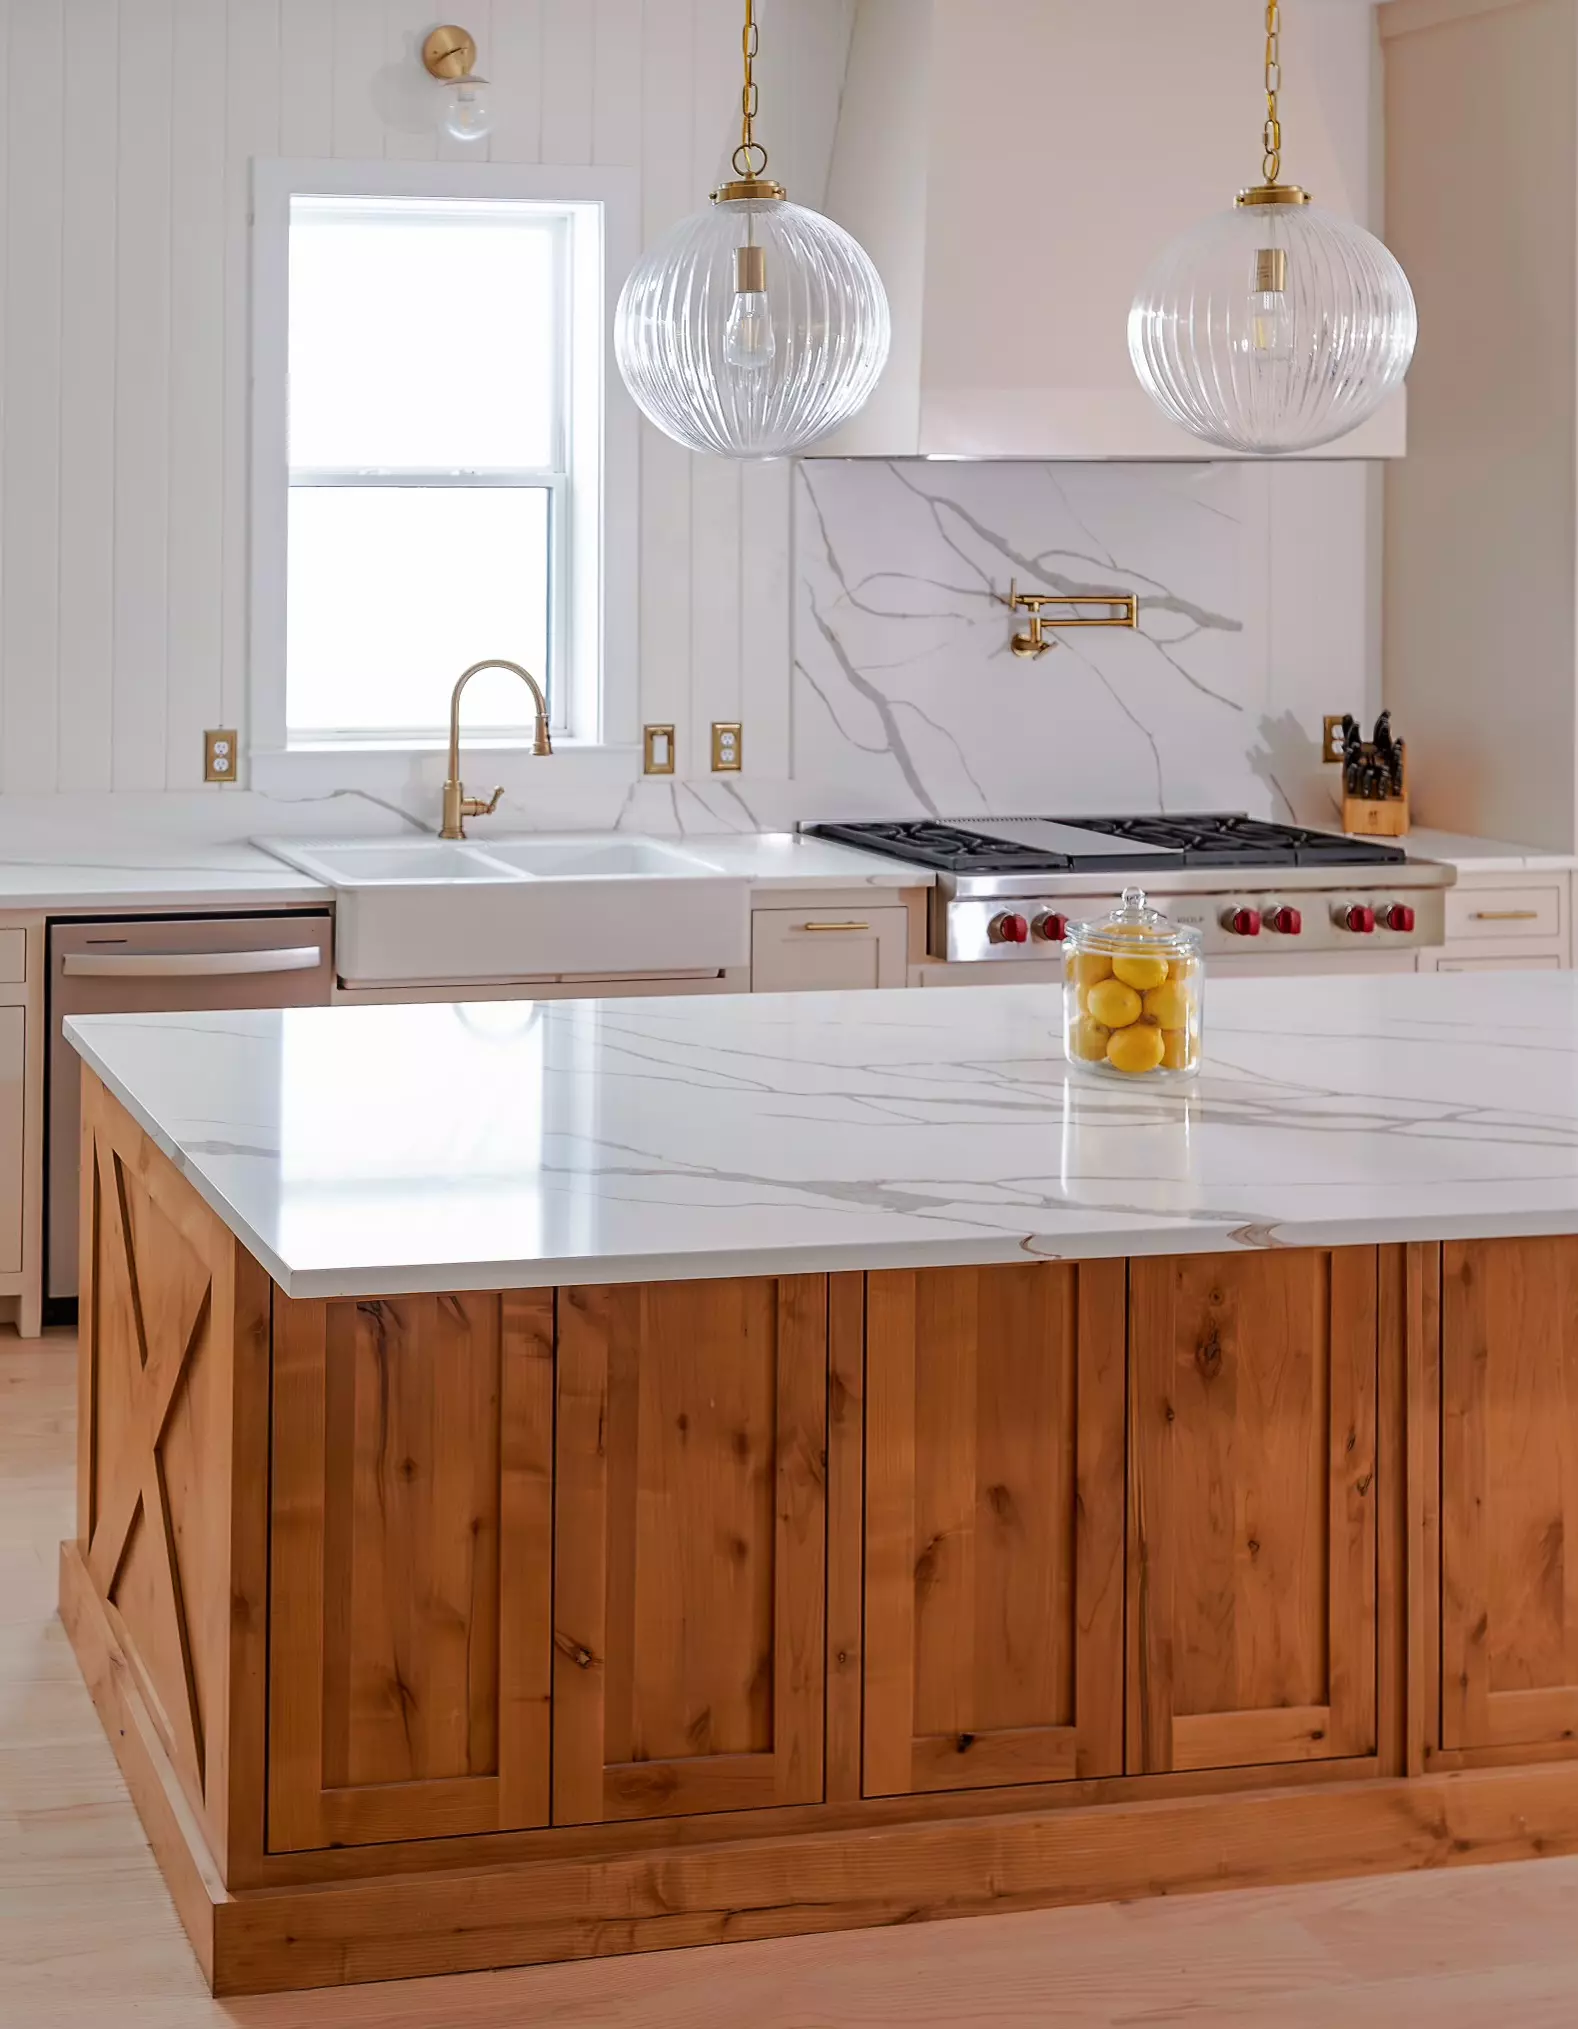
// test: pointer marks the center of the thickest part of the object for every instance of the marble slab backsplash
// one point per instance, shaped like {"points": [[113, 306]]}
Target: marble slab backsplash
{"points": [[907, 698]]}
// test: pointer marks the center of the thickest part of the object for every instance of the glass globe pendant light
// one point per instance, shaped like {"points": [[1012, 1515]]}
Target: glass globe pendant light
{"points": [[1275, 326], [757, 326]]}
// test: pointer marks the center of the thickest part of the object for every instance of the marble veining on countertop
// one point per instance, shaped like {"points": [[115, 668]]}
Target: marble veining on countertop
{"points": [[383, 1150]]}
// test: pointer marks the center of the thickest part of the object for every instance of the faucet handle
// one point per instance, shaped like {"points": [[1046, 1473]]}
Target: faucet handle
{"points": [[473, 806]]}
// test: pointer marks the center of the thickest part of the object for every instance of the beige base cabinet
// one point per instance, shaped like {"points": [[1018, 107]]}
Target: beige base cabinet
{"points": [[1499, 924], [827, 950], [13, 1070]]}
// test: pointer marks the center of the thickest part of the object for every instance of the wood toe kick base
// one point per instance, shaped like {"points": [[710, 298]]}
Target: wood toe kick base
{"points": [[407, 1926]]}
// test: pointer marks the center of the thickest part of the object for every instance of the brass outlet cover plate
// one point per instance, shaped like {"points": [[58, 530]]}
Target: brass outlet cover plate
{"points": [[658, 750], [221, 755], [1331, 738], [728, 748]]}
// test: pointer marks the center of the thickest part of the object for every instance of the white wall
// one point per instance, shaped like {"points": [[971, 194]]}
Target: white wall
{"points": [[128, 127]]}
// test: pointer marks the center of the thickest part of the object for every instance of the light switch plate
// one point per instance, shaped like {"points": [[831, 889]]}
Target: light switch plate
{"points": [[658, 742], [728, 748], [1331, 739], [220, 755]]}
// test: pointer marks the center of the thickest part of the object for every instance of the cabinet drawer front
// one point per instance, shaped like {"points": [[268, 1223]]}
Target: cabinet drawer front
{"points": [[13, 1062], [13, 957], [1476, 915], [828, 950], [1544, 961]]}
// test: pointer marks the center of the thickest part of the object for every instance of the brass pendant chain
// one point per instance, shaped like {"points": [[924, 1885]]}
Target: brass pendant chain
{"points": [[1273, 129], [746, 162]]}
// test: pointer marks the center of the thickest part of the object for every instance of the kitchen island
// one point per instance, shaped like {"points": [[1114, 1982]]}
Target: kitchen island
{"points": [[587, 1477]]}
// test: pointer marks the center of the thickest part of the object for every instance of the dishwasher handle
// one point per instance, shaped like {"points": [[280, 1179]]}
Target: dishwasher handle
{"points": [[190, 964]]}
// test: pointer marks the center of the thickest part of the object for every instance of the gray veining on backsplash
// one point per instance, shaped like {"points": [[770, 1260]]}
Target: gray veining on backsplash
{"points": [[906, 694]]}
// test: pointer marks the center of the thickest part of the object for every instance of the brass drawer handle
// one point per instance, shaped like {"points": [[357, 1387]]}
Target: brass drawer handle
{"points": [[1505, 916], [832, 928]]}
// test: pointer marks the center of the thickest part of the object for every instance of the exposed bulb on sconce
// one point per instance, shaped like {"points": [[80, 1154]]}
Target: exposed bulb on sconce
{"points": [[465, 112], [749, 343], [468, 110]]}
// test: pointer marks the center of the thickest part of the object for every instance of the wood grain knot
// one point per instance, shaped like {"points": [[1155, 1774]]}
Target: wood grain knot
{"points": [[1208, 1353], [407, 1469], [926, 1565], [577, 1652], [964, 1743], [1001, 1503]]}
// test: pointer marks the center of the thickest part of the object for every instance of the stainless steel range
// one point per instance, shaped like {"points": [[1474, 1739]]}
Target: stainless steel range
{"points": [[1007, 888]]}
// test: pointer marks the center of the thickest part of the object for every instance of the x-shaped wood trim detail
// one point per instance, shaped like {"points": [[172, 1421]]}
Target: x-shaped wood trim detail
{"points": [[132, 1478]]}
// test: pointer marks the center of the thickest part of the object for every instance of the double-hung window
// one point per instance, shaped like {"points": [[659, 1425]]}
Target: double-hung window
{"points": [[432, 458]]}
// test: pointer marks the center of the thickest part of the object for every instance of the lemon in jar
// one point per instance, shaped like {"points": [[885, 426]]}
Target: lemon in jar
{"points": [[1169, 1004], [1089, 1041], [1177, 1051], [1113, 1003], [1137, 1049], [1089, 968], [1140, 971]]}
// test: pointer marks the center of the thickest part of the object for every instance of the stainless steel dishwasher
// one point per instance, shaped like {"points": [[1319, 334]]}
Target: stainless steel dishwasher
{"points": [[170, 964]]}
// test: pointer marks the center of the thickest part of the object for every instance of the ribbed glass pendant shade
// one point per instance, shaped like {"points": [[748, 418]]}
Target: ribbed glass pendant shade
{"points": [[1273, 328], [756, 373]]}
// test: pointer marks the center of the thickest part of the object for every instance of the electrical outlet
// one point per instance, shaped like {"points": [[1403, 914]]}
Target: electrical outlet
{"points": [[1331, 739], [220, 755], [728, 749], [659, 744]]}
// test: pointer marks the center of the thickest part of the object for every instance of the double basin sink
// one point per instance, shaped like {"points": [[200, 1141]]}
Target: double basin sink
{"points": [[427, 911]]}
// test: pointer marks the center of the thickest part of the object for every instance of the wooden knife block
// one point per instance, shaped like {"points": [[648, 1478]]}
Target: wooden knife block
{"points": [[1362, 818]]}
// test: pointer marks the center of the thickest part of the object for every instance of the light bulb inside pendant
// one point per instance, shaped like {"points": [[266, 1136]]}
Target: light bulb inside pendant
{"points": [[757, 327], [749, 343], [1270, 327]]}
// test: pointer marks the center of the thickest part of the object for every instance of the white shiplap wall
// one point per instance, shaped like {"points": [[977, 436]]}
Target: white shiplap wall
{"points": [[129, 127]]}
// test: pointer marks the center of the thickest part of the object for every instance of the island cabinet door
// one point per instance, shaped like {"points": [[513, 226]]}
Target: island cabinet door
{"points": [[1509, 1495], [1252, 1542], [410, 1559], [690, 1548], [994, 1527]]}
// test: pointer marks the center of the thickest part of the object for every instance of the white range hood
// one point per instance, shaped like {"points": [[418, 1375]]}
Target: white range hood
{"points": [[1012, 166]]}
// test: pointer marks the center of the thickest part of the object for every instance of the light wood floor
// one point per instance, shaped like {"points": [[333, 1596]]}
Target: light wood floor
{"points": [[88, 1937]]}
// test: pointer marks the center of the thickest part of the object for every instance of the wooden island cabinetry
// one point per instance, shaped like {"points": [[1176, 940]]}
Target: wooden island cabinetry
{"points": [[448, 1631]]}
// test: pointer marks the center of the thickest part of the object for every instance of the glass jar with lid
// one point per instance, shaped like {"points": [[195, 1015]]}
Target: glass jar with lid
{"points": [[1133, 995]]}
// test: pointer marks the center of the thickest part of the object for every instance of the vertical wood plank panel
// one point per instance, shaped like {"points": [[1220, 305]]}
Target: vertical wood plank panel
{"points": [[358, 47], [197, 387], [90, 213], [30, 449], [515, 68], [306, 79], [616, 83], [846, 1506], [142, 401], [569, 48], [668, 194], [252, 114], [406, 95]]}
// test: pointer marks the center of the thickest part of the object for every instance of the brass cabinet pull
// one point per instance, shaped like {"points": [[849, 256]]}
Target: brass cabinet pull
{"points": [[833, 928], [1505, 916]]}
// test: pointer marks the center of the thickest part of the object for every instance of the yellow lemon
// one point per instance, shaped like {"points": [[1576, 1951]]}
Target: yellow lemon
{"points": [[1137, 1049], [1113, 1004], [1177, 1053], [1089, 968], [1140, 971], [1169, 1005], [1089, 1042]]}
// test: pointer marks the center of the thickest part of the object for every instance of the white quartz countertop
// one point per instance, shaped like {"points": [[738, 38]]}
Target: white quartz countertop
{"points": [[1485, 855], [139, 863], [383, 1150]]}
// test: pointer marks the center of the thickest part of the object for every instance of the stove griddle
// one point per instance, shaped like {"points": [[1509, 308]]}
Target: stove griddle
{"points": [[1040, 845]]}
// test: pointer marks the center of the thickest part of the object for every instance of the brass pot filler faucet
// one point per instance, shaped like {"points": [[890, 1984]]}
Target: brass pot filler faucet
{"points": [[458, 806]]}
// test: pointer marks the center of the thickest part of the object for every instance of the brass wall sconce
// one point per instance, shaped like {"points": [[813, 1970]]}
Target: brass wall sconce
{"points": [[450, 55], [1123, 611]]}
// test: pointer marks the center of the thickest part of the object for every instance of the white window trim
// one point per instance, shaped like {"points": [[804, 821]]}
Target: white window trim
{"points": [[601, 703]]}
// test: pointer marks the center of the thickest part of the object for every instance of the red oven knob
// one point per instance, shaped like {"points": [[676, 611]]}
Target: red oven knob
{"points": [[1288, 922], [1242, 922], [1400, 917], [1051, 929], [1009, 930], [1359, 920]]}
